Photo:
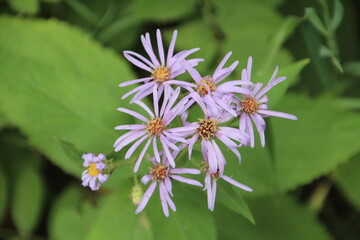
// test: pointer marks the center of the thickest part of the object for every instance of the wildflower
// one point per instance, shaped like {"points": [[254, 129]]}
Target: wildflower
{"points": [[206, 90], [211, 184], [93, 176], [160, 71], [253, 107], [154, 128], [162, 174], [208, 130]]}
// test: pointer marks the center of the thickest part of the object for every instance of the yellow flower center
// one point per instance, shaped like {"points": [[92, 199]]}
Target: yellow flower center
{"points": [[159, 172], [207, 128], [208, 85], [93, 171], [155, 126], [249, 105], [161, 74]]}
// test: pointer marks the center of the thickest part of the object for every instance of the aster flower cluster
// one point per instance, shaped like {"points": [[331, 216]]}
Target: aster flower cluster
{"points": [[223, 103]]}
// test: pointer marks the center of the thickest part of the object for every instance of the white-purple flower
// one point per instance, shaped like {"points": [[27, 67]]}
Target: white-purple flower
{"points": [[162, 174], [93, 176], [253, 107], [211, 184], [208, 130], [153, 128], [207, 92], [163, 70]]}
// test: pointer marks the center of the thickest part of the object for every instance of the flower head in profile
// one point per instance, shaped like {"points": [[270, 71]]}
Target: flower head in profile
{"points": [[211, 184], [163, 70], [207, 90], [153, 128], [93, 176], [162, 174], [253, 107], [208, 131]]}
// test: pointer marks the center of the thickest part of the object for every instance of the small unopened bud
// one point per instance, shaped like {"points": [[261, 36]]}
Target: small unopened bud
{"points": [[136, 194]]}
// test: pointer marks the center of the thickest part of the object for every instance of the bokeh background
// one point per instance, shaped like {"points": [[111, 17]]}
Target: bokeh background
{"points": [[60, 65]]}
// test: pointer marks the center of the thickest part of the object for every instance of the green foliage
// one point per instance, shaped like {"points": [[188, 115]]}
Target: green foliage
{"points": [[277, 218], [3, 193], [65, 215], [192, 220], [324, 136], [66, 89], [347, 177], [162, 10], [30, 7], [27, 201]]}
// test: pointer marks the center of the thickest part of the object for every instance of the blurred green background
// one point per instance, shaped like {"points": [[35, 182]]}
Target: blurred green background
{"points": [[61, 62]]}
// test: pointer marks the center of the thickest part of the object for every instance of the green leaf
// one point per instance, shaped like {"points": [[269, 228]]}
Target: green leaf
{"points": [[348, 178], [277, 218], [25, 6], [27, 201], [66, 87], [202, 37], [314, 19], [326, 52], [277, 40], [337, 15], [323, 137], [65, 215], [231, 199], [291, 72], [162, 10], [3, 193], [192, 219], [248, 26], [352, 68], [120, 210]]}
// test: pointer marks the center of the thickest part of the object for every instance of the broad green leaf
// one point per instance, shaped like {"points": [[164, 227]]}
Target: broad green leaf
{"points": [[25, 6], [192, 219], [27, 201], [337, 15], [314, 19], [60, 85], [162, 10], [3, 193], [65, 215], [229, 198], [277, 218], [323, 137], [118, 209], [201, 37], [348, 178]]}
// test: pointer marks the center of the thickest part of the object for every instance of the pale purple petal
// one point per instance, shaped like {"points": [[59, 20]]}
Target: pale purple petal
{"points": [[127, 83], [134, 147], [163, 199], [146, 197], [160, 47], [146, 178], [131, 127], [278, 114], [141, 156], [186, 180], [184, 171], [134, 114], [236, 184]]}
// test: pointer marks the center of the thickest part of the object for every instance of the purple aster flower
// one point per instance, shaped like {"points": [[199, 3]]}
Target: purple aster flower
{"points": [[162, 174], [93, 176], [153, 128], [206, 90], [160, 71], [208, 130], [211, 184], [253, 107]]}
